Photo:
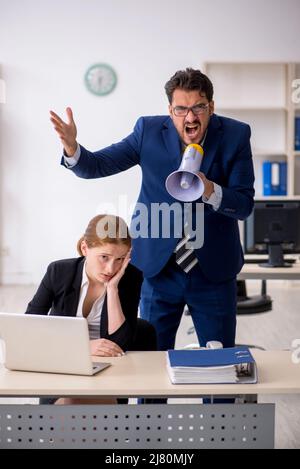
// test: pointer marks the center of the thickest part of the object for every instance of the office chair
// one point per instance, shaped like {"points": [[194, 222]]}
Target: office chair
{"points": [[256, 304], [145, 337], [252, 304]]}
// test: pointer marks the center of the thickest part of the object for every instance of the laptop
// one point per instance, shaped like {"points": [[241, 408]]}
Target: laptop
{"points": [[50, 344]]}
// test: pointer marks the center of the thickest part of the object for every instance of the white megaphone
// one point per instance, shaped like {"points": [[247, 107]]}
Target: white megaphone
{"points": [[185, 184]]}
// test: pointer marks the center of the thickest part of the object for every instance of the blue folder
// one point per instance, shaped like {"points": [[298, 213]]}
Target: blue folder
{"points": [[277, 186], [184, 366], [211, 357]]}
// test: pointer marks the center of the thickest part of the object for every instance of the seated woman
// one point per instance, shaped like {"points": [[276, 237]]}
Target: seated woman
{"points": [[102, 286]]}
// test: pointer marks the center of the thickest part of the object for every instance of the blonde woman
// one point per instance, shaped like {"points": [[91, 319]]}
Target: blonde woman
{"points": [[100, 285]]}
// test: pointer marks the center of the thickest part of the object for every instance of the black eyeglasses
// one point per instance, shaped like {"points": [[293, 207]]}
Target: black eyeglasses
{"points": [[182, 111]]}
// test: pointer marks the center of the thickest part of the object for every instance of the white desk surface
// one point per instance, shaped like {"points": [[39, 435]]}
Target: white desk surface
{"points": [[254, 271], [144, 374]]}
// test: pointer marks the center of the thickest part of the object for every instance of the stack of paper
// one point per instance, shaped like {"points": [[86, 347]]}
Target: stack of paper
{"points": [[229, 365]]}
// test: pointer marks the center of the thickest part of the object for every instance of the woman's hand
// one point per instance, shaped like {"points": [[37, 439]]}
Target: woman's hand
{"points": [[67, 131], [105, 348], [114, 281]]}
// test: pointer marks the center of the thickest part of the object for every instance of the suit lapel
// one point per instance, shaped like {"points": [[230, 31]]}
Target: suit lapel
{"points": [[212, 140], [172, 143], [72, 295], [104, 320]]}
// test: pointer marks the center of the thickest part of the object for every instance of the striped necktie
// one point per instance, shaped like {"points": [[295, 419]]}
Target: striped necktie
{"points": [[185, 257]]}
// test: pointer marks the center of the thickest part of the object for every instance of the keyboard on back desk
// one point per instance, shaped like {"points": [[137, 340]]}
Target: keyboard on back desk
{"points": [[259, 260]]}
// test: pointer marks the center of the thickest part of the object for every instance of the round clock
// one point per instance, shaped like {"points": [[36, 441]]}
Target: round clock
{"points": [[100, 79]]}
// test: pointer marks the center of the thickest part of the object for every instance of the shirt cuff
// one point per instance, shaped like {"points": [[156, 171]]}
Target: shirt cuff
{"points": [[216, 197], [71, 161]]}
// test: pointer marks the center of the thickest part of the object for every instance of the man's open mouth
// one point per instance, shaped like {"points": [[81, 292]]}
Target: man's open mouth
{"points": [[192, 129]]}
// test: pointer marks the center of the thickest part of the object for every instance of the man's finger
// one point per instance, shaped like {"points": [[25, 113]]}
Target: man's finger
{"points": [[70, 115], [56, 124], [58, 128], [56, 117]]}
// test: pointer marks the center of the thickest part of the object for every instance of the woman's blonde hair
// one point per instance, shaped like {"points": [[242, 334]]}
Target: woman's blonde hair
{"points": [[105, 229]]}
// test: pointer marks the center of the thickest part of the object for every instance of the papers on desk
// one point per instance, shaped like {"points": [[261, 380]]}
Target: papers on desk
{"points": [[213, 366]]}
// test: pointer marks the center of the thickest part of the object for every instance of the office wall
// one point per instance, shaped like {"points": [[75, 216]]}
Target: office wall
{"points": [[45, 49]]}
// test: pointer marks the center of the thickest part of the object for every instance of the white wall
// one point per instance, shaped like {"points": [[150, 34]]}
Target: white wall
{"points": [[45, 49]]}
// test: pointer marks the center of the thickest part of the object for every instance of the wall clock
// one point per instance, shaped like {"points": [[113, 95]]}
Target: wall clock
{"points": [[100, 79]]}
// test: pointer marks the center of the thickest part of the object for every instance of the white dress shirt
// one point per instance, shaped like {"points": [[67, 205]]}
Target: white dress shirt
{"points": [[94, 315]]}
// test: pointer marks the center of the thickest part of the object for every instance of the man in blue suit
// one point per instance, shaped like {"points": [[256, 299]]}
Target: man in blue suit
{"points": [[206, 281]]}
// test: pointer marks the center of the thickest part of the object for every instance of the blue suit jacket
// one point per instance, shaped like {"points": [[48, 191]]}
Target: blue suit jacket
{"points": [[155, 146]]}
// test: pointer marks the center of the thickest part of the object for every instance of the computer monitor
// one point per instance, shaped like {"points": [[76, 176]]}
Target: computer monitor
{"points": [[273, 228]]}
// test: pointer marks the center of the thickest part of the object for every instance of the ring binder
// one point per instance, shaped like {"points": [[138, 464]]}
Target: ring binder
{"points": [[234, 365]]}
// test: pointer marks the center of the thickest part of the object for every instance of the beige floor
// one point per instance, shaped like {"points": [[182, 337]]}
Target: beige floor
{"points": [[274, 330]]}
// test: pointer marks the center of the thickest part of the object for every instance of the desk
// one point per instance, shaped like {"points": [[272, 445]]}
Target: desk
{"points": [[165, 426], [143, 374], [254, 271]]}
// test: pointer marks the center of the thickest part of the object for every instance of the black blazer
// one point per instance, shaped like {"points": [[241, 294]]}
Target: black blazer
{"points": [[60, 289]]}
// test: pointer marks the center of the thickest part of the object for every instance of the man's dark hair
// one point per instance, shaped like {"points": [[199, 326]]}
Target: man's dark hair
{"points": [[189, 80]]}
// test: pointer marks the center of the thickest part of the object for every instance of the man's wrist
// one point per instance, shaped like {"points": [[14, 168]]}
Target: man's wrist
{"points": [[70, 151], [216, 197], [209, 190]]}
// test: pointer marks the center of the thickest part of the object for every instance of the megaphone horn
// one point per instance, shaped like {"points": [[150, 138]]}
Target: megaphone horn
{"points": [[185, 184]]}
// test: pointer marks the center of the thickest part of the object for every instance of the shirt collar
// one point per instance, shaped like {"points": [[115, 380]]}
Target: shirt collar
{"points": [[85, 280], [203, 140]]}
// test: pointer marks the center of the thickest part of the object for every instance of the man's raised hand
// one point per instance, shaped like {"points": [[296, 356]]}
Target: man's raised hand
{"points": [[66, 130]]}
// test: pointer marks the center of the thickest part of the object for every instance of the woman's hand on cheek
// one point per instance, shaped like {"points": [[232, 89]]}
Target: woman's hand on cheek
{"points": [[114, 281]]}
